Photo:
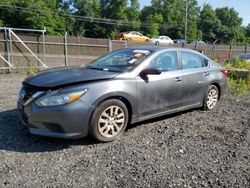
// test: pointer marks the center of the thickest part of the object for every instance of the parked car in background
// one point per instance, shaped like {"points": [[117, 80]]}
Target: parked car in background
{"points": [[199, 43], [245, 56], [179, 41], [161, 40], [125, 86], [132, 35]]}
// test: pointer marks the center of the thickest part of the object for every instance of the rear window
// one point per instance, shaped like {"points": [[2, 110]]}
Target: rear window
{"points": [[191, 60]]}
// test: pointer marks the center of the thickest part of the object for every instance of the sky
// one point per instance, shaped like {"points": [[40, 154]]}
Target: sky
{"points": [[241, 6]]}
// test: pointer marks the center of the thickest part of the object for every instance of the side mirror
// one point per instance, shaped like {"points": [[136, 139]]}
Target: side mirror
{"points": [[152, 71]]}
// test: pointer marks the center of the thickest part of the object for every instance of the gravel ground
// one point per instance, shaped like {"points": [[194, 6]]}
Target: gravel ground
{"points": [[188, 149]]}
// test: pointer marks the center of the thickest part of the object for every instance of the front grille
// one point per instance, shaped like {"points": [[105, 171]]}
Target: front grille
{"points": [[29, 92], [21, 113]]}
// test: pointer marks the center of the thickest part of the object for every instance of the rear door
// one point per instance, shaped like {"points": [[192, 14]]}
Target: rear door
{"points": [[157, 94], [195, 71]]}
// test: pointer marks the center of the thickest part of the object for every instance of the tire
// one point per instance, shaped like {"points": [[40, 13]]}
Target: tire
{"points": [[157, 43], [211, 98], [106, 127]]}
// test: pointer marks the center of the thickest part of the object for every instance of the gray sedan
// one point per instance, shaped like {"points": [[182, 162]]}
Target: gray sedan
{"points": [[123, 87]]}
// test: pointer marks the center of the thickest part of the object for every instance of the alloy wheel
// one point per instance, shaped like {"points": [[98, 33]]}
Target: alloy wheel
{"points": [[212, 98], [111, 121]]}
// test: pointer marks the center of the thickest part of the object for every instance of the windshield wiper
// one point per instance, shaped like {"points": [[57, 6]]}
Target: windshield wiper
{"points": [[96, 68]]}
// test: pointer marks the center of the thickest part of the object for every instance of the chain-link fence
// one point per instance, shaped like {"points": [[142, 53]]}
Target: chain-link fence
{"points": [[22, 49]]}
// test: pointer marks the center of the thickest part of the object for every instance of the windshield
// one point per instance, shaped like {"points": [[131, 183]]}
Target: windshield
{"points": [[120, 61], [157, 37]]}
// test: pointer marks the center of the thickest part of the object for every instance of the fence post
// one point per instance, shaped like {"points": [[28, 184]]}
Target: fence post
{"points": [[38, 48], [109, 45], [196, 45], [11, 51], [44, 58], [230, 53], [66, 49], [246, 48], [6, 46], [125, 43], [214, 51]]}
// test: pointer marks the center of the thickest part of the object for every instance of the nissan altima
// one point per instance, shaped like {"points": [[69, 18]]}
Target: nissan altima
{"points": [[123, 87]]}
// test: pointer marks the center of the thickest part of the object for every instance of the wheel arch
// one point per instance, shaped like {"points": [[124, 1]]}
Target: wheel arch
{"points": [[125, 101], [128, 103]]}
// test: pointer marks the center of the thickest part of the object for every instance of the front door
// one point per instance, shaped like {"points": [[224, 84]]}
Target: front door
{"points": [[157, 94]]}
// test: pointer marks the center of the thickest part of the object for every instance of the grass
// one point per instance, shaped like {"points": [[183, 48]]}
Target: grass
{"points": [[239, 80]]}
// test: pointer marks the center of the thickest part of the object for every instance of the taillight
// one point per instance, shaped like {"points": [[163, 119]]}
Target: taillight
{"points": [[224, 71]]}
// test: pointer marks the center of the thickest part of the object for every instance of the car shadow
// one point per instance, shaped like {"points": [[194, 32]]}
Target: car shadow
{"points": [[15, 137]]}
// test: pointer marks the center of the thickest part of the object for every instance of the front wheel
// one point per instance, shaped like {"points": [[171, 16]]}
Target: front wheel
{"points": [[211, 98], [109, 120]]}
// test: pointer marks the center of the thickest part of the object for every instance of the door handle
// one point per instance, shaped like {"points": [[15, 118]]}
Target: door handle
{"points": [[206, 73], [178, 79]]}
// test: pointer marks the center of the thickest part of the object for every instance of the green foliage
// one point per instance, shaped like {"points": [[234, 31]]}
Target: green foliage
{"points": [[30, 70], [241, 64], [35, 14], [238, 63], [154, 20], [230, 29], [239, 86], [208, 23], [162, 17], [239, 81], [247, 30]]}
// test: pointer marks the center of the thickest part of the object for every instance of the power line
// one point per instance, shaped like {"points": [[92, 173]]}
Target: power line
{"points": [[88, 19], [83, 18]]}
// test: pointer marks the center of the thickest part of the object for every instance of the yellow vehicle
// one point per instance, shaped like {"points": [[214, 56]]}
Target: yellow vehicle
{"points": [[132, 35]]}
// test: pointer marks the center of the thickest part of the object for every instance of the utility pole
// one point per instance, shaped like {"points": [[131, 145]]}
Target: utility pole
{"points": [[186, 19]]}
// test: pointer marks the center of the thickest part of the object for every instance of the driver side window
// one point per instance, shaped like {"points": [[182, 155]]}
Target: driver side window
{"points": [[166, 61]]}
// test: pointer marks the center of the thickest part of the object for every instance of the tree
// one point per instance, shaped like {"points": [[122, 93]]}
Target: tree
{"points": [[230, 29], [193, 18], [209, 23], [82, 26], [247, 30], [119, 10], [172, 18], [133, 14], [152, 18], [173, 12], [33, 14], [155, 20]]}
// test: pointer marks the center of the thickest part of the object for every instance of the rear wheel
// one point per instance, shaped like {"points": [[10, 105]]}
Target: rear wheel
{"points": [[109, 120], [211, 97]]}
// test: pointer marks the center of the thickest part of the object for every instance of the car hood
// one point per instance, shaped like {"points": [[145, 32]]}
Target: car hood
{"points": [[62, 77]]}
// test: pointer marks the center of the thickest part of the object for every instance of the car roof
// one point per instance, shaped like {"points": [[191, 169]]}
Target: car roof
{"points": [[158, 48], [245, 55]]}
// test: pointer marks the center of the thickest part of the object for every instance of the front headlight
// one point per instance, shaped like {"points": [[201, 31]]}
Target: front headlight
{"points": [[55, 98]]}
